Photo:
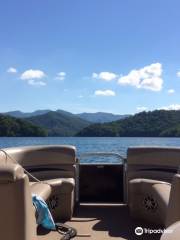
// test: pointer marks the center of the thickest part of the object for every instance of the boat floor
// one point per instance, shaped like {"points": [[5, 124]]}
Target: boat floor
{"points": [[102, 222]]}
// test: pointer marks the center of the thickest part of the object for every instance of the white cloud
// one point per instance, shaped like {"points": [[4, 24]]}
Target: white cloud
{"points": [[94, 75], [178, 74], [141, 109], [171, 107], [148, 77], [33, 77], [12, 70], [171, 91], [105, 76], [32, 74], [36, 83], [60, 76], [107, 93]]}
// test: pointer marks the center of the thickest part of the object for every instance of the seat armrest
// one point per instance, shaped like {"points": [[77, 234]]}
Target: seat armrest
{"points": [[10, 173], [41, 189]]}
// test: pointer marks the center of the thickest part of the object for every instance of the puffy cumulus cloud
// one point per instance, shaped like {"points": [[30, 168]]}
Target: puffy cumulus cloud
{"points": [[32, 74], [105, 76], [12, 70], [106, 93], [33, 77], [60, 76], [148, 77], [171, 91], [141, 109], [171, 107]]}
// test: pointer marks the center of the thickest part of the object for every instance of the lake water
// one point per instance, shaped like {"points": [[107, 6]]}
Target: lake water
{"points": [[93, 144]]}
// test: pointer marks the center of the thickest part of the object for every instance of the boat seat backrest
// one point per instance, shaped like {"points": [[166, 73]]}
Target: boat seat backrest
{"points": [[46, 162], [43, 155], [17, 219]]}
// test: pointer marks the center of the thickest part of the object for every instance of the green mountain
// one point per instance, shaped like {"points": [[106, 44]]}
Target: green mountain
{"points": [[14, 127], [98, 117], [19, 114], [159, 123], [59, 123], [101, 117]]}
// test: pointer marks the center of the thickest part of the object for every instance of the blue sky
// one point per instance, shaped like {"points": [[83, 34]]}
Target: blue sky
{"points": [[94, 55]]}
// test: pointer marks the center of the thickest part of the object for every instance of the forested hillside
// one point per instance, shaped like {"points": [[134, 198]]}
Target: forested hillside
{"points": [[59, 123], [159, 123], [14, 127]]}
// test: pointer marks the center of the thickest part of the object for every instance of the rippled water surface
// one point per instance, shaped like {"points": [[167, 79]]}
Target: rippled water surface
{"points": [[94, 144]]}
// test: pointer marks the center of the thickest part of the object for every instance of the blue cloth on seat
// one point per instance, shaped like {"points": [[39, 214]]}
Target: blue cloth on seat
{"points": [[44, 216]]}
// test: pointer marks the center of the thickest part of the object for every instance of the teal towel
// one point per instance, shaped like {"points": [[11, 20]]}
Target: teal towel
{"points": [[44, 216]]}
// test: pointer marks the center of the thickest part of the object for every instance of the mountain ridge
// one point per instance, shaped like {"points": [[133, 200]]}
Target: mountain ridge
{"points": [[59, 124], [101, 117], [97, 117], [158, 123]]}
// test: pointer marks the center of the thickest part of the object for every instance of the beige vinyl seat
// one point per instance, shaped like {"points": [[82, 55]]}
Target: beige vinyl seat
{"points": [[16, 200], [56, 170], [153, 185], [163, 207], [56, 167]]}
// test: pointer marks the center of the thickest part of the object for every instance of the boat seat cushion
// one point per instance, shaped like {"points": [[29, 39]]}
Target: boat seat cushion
{"points": [[43, 190], [64, 185], [148, 199]]}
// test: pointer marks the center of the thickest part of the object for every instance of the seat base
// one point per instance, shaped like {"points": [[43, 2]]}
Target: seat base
{"points": [[148, 200], [61, 200]]}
